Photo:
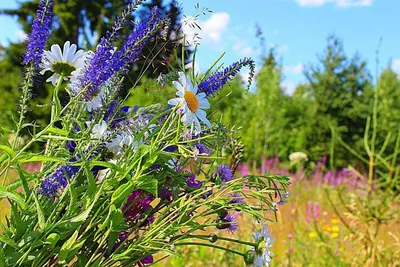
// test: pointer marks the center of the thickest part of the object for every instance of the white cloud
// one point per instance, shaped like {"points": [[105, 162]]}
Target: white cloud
{"points": [[21, 35], [279, 49], [340, 3], [196, 67], [211, 29], [244, 49], [396, 66], [289, 87], [296, 69]]}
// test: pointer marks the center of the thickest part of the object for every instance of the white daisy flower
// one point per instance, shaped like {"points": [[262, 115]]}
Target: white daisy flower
{"points": [[190, 102], [121, 141], [262, 254], [99, 130], [63, 62]]}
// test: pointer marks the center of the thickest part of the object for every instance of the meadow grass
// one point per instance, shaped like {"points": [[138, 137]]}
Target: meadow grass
{"points": [[304, 235]]}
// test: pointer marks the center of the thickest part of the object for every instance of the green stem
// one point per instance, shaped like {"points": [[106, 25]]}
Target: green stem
{"points": [[224, 239], [211, 246]]}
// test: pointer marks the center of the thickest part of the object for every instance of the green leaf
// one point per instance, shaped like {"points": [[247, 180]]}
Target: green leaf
{"points": [[8, 150], [4, 193], [148, 183], [52, 239], [36, 158], [121, 193], [69, 248], [24, 182], [104, 164], [83, 216], [57, 131], [282, 179], [5, 239], [41, 219]]}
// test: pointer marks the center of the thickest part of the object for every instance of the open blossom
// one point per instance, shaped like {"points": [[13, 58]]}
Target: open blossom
{"points": [[99, 130], [262, 254], [62, 63], [224, 172], [190, 102]]}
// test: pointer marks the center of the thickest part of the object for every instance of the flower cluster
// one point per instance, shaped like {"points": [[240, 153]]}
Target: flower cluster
{"points": [[119, 184]]}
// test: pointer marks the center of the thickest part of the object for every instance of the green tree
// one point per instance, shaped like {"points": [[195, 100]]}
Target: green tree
{"points": [[338, 85]]}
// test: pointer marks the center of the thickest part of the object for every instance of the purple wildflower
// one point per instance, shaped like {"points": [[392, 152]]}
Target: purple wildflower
{"points": [[207, 193], [122, 237], [236, 199], [171, 148], [229, 222], [224, 173], [146, 260], [40, 31], [59, 180], [216, 81], [138, 202], [202, 149], [192, 182], [108, 62]]}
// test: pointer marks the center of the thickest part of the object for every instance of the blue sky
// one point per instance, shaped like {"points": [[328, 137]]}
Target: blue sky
{"points": [[297, 28]]}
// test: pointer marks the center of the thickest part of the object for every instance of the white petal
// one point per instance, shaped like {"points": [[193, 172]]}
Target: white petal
{"points": [[71, 53], [202, 115], [182, 79], [66, 50], [203, 103], [175, 101], [56, 50], [178, 86], [187, 118], [201, 96], [194, 89], [197, 124]]}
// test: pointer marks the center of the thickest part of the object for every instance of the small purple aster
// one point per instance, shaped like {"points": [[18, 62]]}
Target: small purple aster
{"points": [[224, 173], [145, 261], [229, 222], [236, 199], [192, 182]]}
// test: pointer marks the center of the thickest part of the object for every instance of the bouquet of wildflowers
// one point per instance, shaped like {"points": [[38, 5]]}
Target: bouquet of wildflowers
{"points": [[119, 185]]}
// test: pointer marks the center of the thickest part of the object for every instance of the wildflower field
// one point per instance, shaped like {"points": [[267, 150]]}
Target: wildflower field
{"points": [[117, 149]]}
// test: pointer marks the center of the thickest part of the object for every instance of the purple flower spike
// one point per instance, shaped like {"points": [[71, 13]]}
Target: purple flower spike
{"points": [[107, 62], [40, 31], [215, 82], [59, 180]]}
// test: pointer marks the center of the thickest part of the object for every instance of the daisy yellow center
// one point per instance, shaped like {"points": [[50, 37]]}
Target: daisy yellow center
{"points": [[191, 101], [63, 68]]}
